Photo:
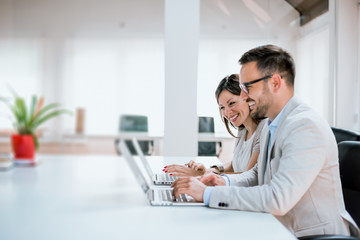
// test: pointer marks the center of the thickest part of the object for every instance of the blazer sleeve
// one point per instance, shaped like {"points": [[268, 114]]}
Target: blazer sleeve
{"points": [[302, 153], [245, 179]]}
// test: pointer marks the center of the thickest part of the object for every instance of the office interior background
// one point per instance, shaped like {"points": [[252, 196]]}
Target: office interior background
{"points": [[164, 60]]}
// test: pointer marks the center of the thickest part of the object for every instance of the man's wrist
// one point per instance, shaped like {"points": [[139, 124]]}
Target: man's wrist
{"points": [[226, 179], [207, 194]]}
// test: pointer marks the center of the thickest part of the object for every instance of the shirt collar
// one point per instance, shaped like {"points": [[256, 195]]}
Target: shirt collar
{"points": [[273, 125]]}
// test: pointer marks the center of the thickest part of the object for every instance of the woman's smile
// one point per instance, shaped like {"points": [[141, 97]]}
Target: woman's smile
{"points": [[234, 118]]}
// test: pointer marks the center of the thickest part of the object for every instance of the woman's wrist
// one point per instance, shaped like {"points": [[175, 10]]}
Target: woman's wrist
{"points": [[211, 170], [218, 168]]}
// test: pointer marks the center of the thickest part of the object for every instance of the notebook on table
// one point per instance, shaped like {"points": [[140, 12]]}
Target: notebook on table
{"points": [[156, 195], [157, 178]]}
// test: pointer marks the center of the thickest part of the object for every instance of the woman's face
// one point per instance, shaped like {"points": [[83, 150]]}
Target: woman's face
{"points": [[233, 108]]}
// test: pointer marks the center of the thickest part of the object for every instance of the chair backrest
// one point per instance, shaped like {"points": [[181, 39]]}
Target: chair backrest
{"points": [[328, 237], [206, 125], [349, 160], [342, 134], [135, 123]]}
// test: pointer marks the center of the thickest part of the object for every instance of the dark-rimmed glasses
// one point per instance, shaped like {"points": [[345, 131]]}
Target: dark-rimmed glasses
{"points": [[244, 86]]}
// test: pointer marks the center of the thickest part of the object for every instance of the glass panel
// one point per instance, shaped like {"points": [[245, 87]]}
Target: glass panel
{"points": [[115, 49], [20, 70], [230, 28], [104, 56], [117, 76]]}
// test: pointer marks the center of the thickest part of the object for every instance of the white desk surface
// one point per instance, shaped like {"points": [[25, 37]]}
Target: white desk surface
{"points": [[206, 137], [96, 197]]}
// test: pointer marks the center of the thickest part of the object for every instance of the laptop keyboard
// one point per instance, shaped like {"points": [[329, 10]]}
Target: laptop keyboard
{"points": [[166, 178], [166, 195]]}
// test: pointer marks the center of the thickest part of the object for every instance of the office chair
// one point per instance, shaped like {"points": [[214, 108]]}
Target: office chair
{"points": [[136, 124], [349, 161], [342, 134], [328, 237], [206, 125]]}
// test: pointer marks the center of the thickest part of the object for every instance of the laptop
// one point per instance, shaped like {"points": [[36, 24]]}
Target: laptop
{"points": [[156, 195], [157, 178]]}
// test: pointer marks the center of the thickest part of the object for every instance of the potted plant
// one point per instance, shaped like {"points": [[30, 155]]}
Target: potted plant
{"points": [[26, 120]]}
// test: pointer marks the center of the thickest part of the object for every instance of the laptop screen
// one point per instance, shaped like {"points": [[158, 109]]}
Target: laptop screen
{"points": [[142, 157], [132, 164]]}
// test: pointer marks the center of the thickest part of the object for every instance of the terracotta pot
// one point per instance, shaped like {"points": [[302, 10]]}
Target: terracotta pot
{"points": [[23, 147]]}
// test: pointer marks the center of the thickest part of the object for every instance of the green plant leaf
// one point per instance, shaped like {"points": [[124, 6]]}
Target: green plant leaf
{"points": [[20, 113], [32, 109], [21, 108], [55, 113], [15, 112], [44, 110], [36, 142]]}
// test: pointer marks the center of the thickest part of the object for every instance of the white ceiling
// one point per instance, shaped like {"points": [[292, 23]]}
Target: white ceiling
{"points": [[104, 18]]}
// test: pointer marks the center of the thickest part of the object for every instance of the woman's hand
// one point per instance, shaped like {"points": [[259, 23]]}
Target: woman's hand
{"points": [[190, 169], [196, 166], [182, 171]]}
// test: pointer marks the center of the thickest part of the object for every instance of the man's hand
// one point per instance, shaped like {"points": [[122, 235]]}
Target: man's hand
{"points": [[213, 180], [189, 185]]}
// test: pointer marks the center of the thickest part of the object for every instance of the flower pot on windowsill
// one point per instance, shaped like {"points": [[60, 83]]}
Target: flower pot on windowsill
{"points": [[23, 147]]}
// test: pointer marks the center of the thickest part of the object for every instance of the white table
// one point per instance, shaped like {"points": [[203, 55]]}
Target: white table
{"points": [[96, 197], [157, 139]]}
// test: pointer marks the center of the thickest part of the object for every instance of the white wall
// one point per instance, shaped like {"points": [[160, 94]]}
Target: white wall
{"points": [[110, 59], [312, 65], [344, 42], [217, 59], [109, 77]]}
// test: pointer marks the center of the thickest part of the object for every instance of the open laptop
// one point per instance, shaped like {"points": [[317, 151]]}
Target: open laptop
{"points": [[157, 178], [157, 196]]}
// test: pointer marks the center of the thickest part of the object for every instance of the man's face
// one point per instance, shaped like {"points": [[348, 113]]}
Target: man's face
{"points": [[258, 96]]}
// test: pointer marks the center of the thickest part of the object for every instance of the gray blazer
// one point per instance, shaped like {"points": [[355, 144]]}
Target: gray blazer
{"points": [[302, 188]]}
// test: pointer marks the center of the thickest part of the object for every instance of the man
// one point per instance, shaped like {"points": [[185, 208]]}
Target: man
{"points": [[297, 175]]}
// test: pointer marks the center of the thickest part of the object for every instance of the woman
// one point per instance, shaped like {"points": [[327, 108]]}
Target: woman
{"points": [[235, 112]]}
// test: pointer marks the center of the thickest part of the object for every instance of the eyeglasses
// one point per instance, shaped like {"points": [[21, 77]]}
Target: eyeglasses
{"points": [[244, 86]]}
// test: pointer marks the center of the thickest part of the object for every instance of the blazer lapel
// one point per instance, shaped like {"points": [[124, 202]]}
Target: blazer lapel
{"points": [[264, 139], [293, 103]]}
